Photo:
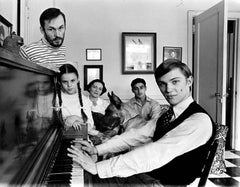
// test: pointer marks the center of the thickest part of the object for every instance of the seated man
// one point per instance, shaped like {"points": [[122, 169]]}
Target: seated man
{"points": [[181, 137], [143, 105]]}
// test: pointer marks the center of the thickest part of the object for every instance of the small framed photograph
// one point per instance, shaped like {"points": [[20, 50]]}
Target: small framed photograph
{"points": [[138, 53], [94, 54], [172, 53], [92, 72], [5, 29]]}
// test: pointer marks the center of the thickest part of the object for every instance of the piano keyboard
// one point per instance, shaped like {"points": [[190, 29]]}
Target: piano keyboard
{"points": [[63, 171]]}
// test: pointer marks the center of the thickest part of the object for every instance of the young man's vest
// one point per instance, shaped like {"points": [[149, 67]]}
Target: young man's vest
{"points": [[184, 169]]}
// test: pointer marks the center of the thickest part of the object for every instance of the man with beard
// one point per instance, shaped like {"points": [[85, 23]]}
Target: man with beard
{"points": [[49, 51]]}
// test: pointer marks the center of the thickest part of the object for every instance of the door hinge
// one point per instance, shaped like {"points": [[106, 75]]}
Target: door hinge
{"points": [[193, 29]]}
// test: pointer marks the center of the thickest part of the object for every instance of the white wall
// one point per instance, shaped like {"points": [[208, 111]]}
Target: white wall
{"points": [[99, 24], [8, 9]]}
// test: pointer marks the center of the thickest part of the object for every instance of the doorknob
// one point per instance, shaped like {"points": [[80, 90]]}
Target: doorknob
{"points": [[221, 97], [217, 94]]}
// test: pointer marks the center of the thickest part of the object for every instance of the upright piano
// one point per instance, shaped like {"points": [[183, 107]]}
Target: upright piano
{"points": [[32, 140], [32, 143]]}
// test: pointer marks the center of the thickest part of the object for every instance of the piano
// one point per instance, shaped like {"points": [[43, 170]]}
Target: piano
{"points": [[33, 143]]}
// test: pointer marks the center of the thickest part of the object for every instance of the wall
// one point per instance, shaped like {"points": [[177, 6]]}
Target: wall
{"points": [[99, 24], [8, 9]]}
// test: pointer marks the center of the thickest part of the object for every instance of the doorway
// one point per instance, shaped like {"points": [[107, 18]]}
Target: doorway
{"points": [[231, 81]]}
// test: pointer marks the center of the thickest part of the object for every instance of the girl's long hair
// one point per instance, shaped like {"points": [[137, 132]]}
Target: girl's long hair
{"points": [[67, 68]]}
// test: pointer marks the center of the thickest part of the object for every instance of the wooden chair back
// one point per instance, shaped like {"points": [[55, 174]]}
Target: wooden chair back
{"points": [[208, 164]]}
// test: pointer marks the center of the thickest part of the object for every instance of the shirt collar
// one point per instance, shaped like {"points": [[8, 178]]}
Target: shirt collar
{"points": [[179, 108], [99, 101], [69, 95], [147, 99], [46, 42]]}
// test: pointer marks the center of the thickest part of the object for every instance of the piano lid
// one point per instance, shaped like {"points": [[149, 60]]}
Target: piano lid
{"points": [[26, 95]]}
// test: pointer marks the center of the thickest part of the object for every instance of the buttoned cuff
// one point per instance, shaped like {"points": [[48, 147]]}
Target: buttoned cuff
{"points": [[104, 169]]}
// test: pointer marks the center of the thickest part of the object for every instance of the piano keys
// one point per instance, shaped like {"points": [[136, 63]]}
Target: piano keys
{"points": [[63, 171]]}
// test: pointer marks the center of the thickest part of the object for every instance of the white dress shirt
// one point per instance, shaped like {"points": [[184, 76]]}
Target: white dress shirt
{"points": [[190, 134], [150, 110]]}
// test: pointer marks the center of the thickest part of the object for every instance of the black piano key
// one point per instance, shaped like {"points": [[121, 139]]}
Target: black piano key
{"points": [[60, 176], [61, 164], [62, 161], [57, 170]]}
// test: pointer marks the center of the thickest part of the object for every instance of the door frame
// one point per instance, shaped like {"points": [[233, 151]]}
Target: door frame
{"points": [[235, 140]]}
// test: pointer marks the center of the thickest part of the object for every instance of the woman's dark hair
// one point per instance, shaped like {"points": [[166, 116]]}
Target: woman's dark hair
{"points": [[50, 14], [68, 68], [97, 80], [170, 64]]}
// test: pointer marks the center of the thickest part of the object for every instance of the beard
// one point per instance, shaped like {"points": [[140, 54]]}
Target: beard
{"points": [[55, 42]]}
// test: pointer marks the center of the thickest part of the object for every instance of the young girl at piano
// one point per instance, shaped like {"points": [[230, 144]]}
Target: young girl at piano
{"points": [[75, 107]]}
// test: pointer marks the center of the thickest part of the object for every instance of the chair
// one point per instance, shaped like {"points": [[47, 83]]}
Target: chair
{"points": [[208, 164]]}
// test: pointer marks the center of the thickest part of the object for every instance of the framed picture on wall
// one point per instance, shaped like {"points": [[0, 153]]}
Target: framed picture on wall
{"points": [[5, 29], [94, 54], [172, 53], [138, 53], [92, 72]]}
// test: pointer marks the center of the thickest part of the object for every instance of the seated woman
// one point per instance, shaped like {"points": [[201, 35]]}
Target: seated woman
{"points": [[75, 107], [96, 88], [108, 125]]}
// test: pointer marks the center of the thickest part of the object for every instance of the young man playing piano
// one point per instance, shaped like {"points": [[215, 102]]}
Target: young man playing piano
{"points": [[179, 145]]}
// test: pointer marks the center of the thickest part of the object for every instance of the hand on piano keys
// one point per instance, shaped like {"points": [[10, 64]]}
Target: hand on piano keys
{"points": [[83, 156], [86, 146]]}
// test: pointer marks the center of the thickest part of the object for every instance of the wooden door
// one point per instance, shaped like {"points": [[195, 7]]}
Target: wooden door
{"points": [[209, 58]]}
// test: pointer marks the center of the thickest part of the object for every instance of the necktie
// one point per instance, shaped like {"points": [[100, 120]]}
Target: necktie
{"points": [[163, 124]]}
